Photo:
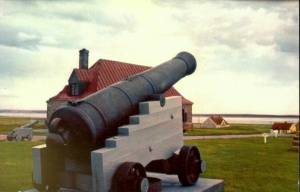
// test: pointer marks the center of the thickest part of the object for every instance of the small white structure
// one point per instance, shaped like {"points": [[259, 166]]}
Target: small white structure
{"points": [[265, 135], [215, 122]]}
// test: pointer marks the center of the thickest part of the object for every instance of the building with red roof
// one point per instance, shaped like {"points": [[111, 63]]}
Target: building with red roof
{"points": [[85, 81], [284, 127], [215, 122]]}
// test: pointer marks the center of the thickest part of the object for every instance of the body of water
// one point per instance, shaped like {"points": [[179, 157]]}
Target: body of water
{"points": [[250, 120], [22, 114], [196, 119]]}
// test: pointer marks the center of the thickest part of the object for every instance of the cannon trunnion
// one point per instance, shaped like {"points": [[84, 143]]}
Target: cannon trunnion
{"points": [[109, 140]]}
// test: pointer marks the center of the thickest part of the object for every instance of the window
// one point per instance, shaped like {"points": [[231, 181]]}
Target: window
{"points": [[184, 115], [74, 89]]}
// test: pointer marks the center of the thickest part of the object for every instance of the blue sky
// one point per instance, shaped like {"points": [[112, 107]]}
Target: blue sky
{"points": [[247, 51]]}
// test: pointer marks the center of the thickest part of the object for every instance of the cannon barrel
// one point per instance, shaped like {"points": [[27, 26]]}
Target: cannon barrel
{"points": [[30, 124], [84, 125]]}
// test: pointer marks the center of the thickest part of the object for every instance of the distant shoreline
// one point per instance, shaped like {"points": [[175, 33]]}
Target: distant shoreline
{"points": [[194, 115], [21, 111], [247, 115]]}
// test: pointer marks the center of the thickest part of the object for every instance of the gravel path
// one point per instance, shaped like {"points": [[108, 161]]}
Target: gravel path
{"points": [[233, 136]]}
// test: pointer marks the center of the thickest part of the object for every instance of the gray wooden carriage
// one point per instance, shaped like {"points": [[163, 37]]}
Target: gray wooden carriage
{"points": [[23, 132]]}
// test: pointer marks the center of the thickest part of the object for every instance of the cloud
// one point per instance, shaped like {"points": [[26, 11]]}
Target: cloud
{"points": [[246, 50], [287, 39], [60, 26], [14, 38], [248, 39], [48, 41]]}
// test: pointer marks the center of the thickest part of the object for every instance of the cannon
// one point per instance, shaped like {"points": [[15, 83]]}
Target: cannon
{"points": [[110, 139], [22, 132]]}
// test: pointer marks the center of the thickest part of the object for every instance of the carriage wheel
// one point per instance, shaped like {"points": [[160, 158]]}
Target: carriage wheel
{"points": [[18, 138], [190, 165], [130, 176], [29, 137]]}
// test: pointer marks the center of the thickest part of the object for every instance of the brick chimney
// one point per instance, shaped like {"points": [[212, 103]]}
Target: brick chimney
{"points": [[83, 59]]}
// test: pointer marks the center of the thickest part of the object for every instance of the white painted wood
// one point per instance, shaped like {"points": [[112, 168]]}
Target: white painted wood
{"points": [[150, 107], [156, 133], [37, 163]]}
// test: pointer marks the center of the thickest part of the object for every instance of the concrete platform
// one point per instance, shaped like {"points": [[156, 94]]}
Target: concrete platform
{"points": [[170, 183]]}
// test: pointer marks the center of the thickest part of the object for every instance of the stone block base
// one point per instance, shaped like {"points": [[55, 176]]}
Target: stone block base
{"points": [[170, 183]]}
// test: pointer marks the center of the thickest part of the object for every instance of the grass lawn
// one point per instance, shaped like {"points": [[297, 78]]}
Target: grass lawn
{"points": [[234, 129], [16, 165], [245, 164], [248, 164], [9, 123]]}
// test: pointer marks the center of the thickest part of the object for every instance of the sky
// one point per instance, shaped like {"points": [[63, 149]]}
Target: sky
{"points": [[247, 52]]}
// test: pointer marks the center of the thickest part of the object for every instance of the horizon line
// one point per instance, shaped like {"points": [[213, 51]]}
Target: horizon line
{"points": [[194, 114], [244, 115]]}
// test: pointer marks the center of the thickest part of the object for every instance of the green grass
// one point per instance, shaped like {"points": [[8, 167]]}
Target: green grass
{"points": [[16, 165], [248, 164], [234, 129], [245, 164], [9, 123]]}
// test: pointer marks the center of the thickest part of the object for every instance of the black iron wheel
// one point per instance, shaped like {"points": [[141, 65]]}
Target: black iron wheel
{"points": [[130, 176], [189, 165]]}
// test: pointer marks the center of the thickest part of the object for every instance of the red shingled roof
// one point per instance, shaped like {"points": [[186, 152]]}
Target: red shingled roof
{"points": [[218, 120], [104, 73], [282, 126]]}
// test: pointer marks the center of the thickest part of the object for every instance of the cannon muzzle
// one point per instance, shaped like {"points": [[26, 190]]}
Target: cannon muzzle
{"points": [[84, 125], [30, 124]]}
